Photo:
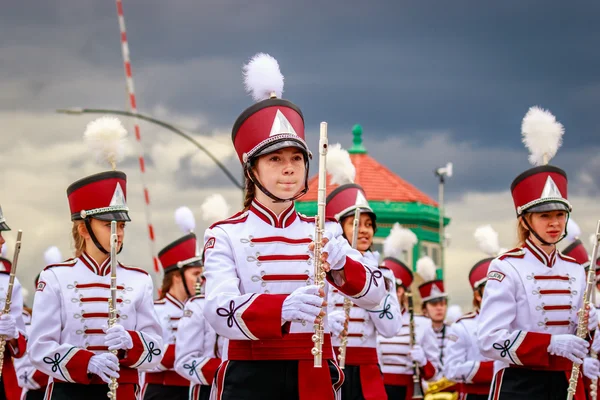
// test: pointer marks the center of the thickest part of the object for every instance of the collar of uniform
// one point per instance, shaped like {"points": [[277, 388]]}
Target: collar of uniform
{"points": [[173, 300], [102, 269], [547, 259], [284, 220]]}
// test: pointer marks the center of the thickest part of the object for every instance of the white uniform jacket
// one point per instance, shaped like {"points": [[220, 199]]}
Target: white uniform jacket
{"points": [[464, 362], [70, 309], [529, 296], [169, 311], [396, 364], [253, 261], [27, 375], [198, 352], [365, 324]]}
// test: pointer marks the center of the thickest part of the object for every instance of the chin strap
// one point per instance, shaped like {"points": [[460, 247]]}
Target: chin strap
{"points": [[276, 199], [88, 226], [184, 281], [534, 233]]}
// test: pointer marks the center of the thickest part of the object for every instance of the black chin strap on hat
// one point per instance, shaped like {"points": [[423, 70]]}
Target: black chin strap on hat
{"points": [[184, 281], [276, 199], [88, 226], [538, 237]]}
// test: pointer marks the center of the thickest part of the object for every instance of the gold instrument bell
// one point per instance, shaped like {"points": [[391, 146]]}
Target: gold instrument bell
{"points": [[435, 390]]}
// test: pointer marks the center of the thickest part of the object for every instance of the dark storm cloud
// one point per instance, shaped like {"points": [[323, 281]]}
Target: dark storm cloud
{"points": [[401, 69]]}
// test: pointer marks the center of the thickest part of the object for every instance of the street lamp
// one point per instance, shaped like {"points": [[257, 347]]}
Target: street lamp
{"points": [[442, 173], [166, 125]]}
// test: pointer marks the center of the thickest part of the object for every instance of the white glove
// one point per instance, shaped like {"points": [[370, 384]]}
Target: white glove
{"points": [[417, 354], [591, 368], [371, 258], [596, 342], [568, 346], [117, 338], [593, 319], [105, 365], [8, 326], [303, 304], [336, 256], [336, 320]]}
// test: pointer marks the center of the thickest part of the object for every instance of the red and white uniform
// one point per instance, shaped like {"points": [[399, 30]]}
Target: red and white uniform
{"points": [[363, 328], [464, 362], [396, 364], [27, 374], [529, 296], [70, 309], [253, 261], [9, 375], [169, 311], [198, 352]]}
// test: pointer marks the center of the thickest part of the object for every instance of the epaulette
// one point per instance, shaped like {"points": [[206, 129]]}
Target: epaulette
{"points": [[517, 252], [67, 263], [197, 297], [312, 219], [567, 258], [130, 268], [469, 315], [241, 216], [160, 301]]}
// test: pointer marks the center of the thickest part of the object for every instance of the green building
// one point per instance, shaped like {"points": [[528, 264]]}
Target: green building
{"points": [[392, 199]]}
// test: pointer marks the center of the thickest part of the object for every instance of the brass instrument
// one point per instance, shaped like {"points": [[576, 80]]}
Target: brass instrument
{"points": [[582, 329], [417, 389], [112, 300], [435, 390], [7, 302], [319, 274], [347, 301]]}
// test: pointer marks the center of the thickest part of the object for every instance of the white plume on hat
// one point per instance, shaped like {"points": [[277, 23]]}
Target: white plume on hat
{"points": [[454, 312], [573, 230], [339, 165], [592, 240], [184, 218], [214, 208], [262, 77], [542, 135], [487, 240], [52, 255], [399, 240], [426, 268], [106, 138]]}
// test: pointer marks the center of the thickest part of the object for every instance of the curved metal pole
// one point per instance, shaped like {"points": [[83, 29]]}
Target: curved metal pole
{"points": [[77, 111]]}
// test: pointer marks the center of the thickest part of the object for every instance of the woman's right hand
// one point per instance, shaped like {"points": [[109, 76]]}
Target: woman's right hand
{"points": [[304, 304]]}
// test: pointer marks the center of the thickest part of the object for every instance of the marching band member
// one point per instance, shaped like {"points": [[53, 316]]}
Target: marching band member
{"points": [[362, 376], [464, 362], [69, 336], [397, 356], [199, 348], [259, 264], [435, 303], [182, 266], [576, 250], [12, 326], [31, 379], [533, 293]]}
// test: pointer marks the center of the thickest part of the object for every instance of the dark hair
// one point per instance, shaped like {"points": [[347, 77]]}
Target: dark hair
{"points": [[477, 303], [250, 192], [167, 283]]}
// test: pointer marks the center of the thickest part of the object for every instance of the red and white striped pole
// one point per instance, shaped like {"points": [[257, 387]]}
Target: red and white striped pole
{"points": [[138, 135]]}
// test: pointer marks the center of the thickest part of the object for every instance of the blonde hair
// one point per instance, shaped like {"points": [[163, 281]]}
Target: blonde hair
{"points": [[78, 240], [522, 231], [167, 283]]}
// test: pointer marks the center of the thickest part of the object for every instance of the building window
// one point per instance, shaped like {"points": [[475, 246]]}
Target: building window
{"points": [[432, 250]]}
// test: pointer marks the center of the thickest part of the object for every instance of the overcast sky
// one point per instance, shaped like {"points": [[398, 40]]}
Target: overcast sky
{"points": [[434, 81]]}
